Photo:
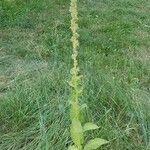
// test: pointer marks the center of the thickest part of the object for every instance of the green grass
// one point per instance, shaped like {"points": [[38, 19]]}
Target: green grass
{"points": [[114, 57]]}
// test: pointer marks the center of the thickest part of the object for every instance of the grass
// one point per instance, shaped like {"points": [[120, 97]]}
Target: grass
{"points": [[114, 58]]}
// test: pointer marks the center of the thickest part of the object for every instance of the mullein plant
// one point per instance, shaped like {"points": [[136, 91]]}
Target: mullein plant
{"points": [[77, 129]]}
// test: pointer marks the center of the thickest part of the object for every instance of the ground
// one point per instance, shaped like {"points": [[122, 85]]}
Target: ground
{"points": [[35, 62]]}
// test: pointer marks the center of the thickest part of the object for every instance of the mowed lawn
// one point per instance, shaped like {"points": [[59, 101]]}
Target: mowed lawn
{"points": [[35, 62]]}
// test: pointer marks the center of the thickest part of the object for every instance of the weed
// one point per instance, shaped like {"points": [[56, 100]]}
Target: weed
{"points": [[76, 129]]}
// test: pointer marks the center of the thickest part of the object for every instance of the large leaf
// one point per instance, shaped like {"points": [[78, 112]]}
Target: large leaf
{"points": [[95, 143], [72, 148], [90, 126], [77, 133]]}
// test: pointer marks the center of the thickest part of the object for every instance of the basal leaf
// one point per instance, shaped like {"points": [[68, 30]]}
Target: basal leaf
{"points": [[77, 133], [90, 126], [95, 143]]}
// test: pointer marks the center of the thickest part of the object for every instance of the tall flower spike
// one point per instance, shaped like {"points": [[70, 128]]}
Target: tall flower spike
{"points": [[76, 128]]}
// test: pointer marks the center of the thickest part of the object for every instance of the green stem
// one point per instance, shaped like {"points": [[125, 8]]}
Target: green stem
{"points": [[75, 79]]}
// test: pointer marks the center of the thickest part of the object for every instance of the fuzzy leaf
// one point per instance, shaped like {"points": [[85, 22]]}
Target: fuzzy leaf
{"points": [[90, 126], [72, 148], [95, 143], [77, 133]]}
